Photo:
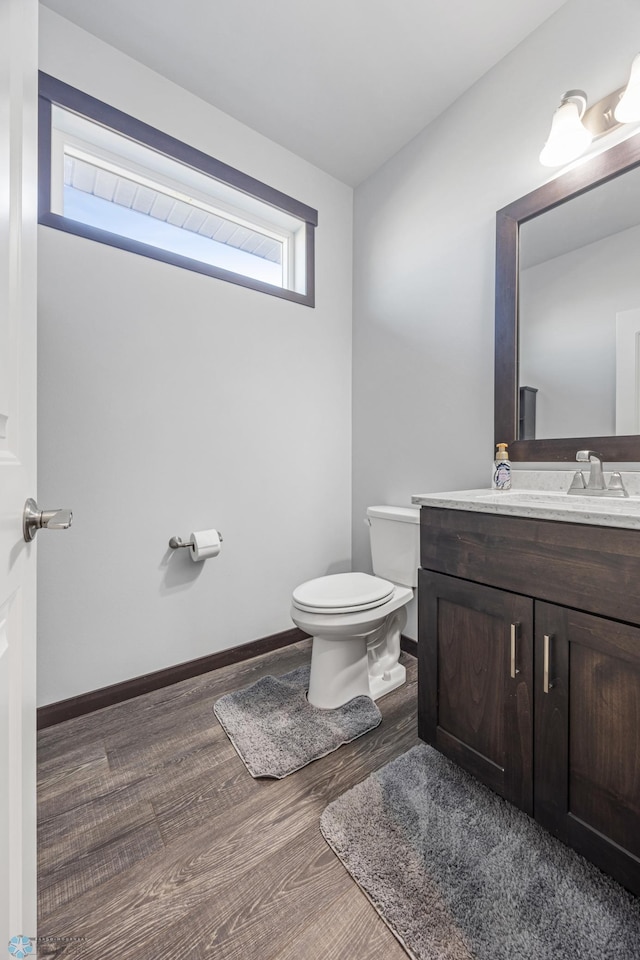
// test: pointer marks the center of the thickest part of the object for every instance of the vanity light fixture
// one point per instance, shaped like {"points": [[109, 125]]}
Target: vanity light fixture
{"points": [[628, 109], [568, 137], [574, 126]]}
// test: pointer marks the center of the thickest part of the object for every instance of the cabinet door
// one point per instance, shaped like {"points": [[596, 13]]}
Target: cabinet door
{"points": [[475, 673], [587, 759]]}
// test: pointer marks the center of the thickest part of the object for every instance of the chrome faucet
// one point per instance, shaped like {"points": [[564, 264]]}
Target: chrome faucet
{"points": [[596, 476], [596, 486]]}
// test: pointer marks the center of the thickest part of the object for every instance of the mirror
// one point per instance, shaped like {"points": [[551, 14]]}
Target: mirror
{"points": [[579, 315], [568, 314]]}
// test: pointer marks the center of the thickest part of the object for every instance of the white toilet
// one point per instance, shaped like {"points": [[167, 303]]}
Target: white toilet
{"points": [[356, 619]]}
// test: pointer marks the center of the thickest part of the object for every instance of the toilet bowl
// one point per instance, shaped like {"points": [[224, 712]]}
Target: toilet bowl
{"points": [[356, 619]]}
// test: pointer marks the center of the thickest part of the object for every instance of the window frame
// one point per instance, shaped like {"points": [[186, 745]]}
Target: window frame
{"points": [[52, 91]]}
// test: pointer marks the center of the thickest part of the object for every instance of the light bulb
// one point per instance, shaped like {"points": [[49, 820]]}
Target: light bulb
{"points": [[568, 137], [628, 109]]}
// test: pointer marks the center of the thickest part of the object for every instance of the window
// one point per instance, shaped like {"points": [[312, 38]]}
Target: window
{"points": [[109, 177]]}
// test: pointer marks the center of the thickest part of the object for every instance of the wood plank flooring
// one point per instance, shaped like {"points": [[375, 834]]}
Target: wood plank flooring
{"points": [[156, 843]]}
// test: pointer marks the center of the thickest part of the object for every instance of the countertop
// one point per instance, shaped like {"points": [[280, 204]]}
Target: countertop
{"points": [[542, 494]]}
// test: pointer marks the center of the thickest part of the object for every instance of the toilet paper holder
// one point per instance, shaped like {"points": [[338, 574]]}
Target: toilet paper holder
{"points": [[176, 542]]}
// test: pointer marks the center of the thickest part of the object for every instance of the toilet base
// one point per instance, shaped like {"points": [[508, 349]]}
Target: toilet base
{"points": [[338, 671], [390, 680]]}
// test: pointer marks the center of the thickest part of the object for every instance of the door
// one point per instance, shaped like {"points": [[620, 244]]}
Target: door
{"points": [[587, 768], [18, 195], [475, 681]]}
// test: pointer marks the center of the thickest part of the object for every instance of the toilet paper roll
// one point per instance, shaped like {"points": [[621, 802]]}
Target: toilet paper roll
{"points": [[204, 544]]}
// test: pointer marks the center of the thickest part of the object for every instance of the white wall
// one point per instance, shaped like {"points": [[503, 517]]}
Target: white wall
{"points": [[568, 308], [170, 401], [424, 240]]}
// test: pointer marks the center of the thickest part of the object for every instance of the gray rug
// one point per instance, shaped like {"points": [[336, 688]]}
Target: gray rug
{"points": [[459, 874], [276, 731]]}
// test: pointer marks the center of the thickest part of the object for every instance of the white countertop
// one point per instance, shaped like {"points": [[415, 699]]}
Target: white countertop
{"points": [[542, 494]]}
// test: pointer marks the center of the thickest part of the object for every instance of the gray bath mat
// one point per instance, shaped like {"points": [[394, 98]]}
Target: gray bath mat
{"points": [[276, 731], [457, 873]]}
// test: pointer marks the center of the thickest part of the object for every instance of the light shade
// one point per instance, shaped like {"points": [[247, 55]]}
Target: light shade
{"points": [[568, 137], [628, 109]]}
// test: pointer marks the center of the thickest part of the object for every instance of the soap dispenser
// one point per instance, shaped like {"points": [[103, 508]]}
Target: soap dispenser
{"points": [[502, 469]]}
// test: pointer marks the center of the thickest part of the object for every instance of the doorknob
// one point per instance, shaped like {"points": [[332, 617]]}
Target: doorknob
{"points": [[34, 519]]}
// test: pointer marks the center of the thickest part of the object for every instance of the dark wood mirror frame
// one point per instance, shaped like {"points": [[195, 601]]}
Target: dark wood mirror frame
{"points": [[606, 166]]}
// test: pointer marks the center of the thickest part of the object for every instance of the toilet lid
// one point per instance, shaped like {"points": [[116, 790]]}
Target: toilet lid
{"points": [[342, 593]]}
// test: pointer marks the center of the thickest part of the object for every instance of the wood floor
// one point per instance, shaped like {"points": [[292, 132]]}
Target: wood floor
{"points": [[155, 842]]}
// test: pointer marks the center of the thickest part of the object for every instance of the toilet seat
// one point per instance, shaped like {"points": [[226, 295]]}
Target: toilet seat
{"points": [[342, 593]]}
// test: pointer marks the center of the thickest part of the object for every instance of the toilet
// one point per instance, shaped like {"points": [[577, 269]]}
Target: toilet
{"points": [[356, 619]]}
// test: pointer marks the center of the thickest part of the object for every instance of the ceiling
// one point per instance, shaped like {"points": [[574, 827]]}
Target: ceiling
{"points": [[343, 83]]}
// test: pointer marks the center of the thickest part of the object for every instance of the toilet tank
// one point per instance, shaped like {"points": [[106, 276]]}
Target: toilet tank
{"points": [[395, 543]]}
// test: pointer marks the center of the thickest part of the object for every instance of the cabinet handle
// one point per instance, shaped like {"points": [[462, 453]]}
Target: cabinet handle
{"points": [[514, 637], [546, 654]]}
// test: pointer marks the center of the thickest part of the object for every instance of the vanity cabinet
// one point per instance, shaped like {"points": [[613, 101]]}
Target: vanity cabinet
{"points": [[475, 707], [529, 670]]}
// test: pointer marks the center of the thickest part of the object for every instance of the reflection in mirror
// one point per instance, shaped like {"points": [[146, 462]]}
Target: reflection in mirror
{"points": [[588, 177], [579, 315]]}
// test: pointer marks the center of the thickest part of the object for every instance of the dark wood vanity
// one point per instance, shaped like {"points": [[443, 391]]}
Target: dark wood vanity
{"points": [[529, 670], [529, 628]]}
